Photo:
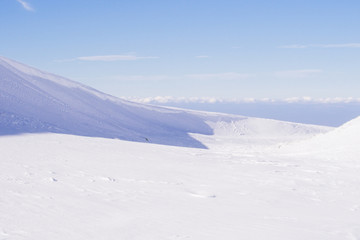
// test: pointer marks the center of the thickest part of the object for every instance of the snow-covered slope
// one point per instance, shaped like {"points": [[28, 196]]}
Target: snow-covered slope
{"points": [[343, 140], [33, 101]]}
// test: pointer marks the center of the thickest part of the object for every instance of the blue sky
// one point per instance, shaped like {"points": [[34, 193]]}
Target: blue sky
{"points": [[236, 49]]}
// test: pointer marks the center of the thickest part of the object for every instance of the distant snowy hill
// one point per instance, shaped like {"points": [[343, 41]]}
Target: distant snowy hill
{"points": [[341, 141], [33, 101], [345, 136]]}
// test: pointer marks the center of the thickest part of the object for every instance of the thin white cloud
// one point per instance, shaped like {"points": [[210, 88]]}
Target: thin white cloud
{"points": [[112, 58], [219, 76], [25, 5], [210, 100], [142, 78], [192, 77], [171, 99], [302, 73], [341, 45], [295, 46], [346, 45]]}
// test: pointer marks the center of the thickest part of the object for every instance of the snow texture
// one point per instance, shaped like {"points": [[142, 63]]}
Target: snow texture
{"points": [[258, 179], [57, 186]]}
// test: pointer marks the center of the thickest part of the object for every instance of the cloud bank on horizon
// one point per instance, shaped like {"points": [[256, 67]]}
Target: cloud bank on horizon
{"points": [[319, 111], [209, 100]]}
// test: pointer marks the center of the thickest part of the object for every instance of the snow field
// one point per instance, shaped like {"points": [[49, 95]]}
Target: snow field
{"points": [[70, 187]]}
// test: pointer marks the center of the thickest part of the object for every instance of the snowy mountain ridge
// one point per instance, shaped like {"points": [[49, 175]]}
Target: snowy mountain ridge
{"points": [[33, 101]]}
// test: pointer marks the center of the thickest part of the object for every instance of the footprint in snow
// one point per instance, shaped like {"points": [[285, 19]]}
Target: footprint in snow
{"points": [[4, 233], [202, 194], [53, 179], [108, 179]]}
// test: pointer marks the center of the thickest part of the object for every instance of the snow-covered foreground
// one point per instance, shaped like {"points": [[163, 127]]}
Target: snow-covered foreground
{"points": [[56, 186]]}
